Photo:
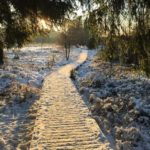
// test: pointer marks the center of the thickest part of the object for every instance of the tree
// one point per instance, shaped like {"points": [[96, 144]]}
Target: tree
{"points": [[125, 24], [73, 33], [77, 33], [19, 19]]}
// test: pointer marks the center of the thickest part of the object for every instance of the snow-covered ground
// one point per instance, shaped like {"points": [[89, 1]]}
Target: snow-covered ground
{"points": [[119, 99], [33, 65], [20, 83]]}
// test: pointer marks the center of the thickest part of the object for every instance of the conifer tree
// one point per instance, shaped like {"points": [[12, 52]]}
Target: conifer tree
{"points": [[125, 24], [19, 19]]}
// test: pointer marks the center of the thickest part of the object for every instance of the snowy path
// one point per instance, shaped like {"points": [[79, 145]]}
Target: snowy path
{"points": [[63, 120]]}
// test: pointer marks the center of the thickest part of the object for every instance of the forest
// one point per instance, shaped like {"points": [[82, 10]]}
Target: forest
{"points": [[75, 74], [122, 26]]}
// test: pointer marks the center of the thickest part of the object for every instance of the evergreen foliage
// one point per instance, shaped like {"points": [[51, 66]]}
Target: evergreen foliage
{"points": [[125, 24], [91, 43], [20, 18]]}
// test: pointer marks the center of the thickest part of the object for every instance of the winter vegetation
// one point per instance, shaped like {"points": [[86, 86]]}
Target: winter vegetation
{"points": [[118, 98], [39, 37], [124, 28]]}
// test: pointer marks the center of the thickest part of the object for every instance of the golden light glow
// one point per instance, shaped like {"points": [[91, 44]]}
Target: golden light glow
{"points": [[44, 24]]}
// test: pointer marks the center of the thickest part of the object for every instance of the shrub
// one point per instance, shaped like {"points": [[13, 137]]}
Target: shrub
{"points": [[91, 43]]}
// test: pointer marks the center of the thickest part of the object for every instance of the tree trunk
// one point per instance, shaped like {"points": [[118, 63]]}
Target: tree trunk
{"points": [[1, 56], [68, 51]]}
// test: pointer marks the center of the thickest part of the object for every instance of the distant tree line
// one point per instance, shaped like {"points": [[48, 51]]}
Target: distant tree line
{"points": [[124, 27], [71, 32], [50, 37]]}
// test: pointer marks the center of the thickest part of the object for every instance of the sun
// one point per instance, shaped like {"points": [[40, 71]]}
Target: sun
{"points": [[43, 24]]}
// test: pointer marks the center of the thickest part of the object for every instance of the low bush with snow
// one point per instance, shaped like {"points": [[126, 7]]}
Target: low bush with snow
{"points": [[120, 102]]}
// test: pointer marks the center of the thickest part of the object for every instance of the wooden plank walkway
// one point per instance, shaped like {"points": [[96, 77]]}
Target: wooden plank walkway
{"points": [[63, 121]]}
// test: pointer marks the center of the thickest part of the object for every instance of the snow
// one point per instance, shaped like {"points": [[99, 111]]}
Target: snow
{"points": [[119, 97], [32, 65], [20, 85]]}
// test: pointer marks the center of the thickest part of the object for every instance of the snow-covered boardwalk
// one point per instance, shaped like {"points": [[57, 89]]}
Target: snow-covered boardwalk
{"points": [[63, 119]]}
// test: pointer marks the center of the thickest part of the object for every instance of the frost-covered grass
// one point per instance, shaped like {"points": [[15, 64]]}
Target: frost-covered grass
{"points": [[32, 66], [21, 80], [119, 99]]}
